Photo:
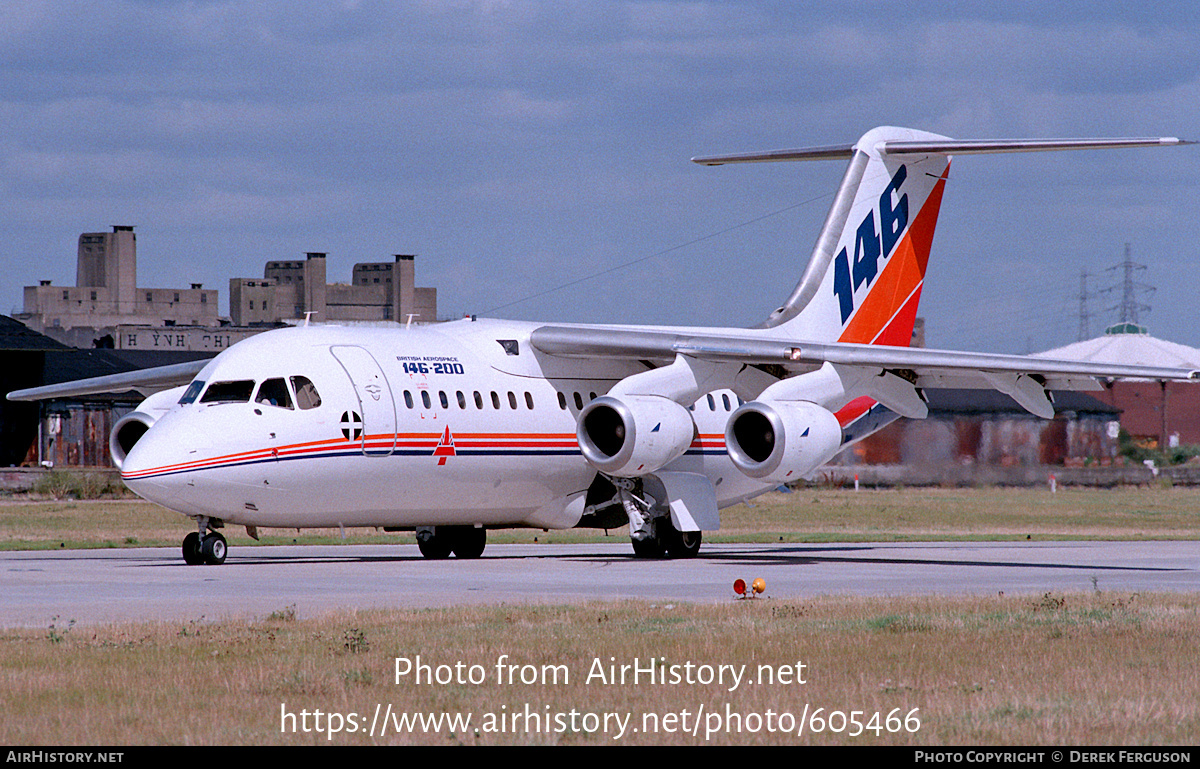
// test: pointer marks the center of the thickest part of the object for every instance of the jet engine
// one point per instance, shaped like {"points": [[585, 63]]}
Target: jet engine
{"points": [[781, 441], [634, 434], [130, 428]]}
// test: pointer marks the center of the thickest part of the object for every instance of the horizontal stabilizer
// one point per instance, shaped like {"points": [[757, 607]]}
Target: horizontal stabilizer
{"points": [[941, 147]]}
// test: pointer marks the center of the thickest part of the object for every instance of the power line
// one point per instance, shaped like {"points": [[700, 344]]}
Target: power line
{"points": [[665, 251]]}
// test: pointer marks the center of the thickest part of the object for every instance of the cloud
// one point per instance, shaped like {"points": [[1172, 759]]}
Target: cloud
{"points": [[489, 136]]}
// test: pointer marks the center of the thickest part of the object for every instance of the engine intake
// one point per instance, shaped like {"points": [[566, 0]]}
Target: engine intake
{"points": [[781, 441], [635, 434], [127, 432]]}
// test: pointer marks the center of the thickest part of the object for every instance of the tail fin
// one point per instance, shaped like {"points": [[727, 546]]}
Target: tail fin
{"points": [[863, 281]]}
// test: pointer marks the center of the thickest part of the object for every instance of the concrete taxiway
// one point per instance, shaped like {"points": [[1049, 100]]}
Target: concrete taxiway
{"points": [[91, 586]]}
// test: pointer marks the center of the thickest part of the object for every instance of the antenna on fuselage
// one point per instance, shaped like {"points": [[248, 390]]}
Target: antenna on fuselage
{"points": [[307, 316]]}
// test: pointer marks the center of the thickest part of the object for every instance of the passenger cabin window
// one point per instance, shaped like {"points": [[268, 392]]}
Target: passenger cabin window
{"points": [[189, 395], [425, 399], [529, 401], [306, 393], [408, 401], [274, 392], [478, 400], [228, 392]]}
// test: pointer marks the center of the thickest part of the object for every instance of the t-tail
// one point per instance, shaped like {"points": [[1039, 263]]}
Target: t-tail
{"points": [[863, 281]]}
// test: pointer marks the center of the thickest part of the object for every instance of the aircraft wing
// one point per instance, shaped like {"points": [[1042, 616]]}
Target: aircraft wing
{"points": [[1025, 378], [145, 381]]}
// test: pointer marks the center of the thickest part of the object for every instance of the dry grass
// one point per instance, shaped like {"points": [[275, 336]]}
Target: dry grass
{"points": [[1099, 669], [807, 515]]}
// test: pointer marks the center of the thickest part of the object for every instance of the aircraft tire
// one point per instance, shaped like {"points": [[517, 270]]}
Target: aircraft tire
{"points": [[468, 541], [683, 544], [214, 549], [650, 547], [191, 550], [436, 547]]}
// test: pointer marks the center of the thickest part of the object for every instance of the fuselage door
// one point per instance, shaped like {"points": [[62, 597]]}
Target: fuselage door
{"points": [[376, 408]]}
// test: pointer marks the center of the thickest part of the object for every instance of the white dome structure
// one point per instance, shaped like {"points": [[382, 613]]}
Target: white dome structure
{"points": [[1128, 343], [1166, 413]]}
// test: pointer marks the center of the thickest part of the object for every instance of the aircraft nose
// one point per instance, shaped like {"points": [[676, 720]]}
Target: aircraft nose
{"points": [[143, 471], [170, 465]]}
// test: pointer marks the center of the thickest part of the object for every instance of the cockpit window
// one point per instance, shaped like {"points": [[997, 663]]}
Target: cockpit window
{"points": [[306, 392], [189, 395], [228, 392], [274, 392]]}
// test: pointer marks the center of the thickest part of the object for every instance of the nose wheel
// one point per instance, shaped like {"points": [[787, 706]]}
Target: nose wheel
{"points": [[209, 549], [437, 542]]}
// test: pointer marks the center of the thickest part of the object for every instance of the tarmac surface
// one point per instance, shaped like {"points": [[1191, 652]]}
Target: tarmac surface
{"points": [[98, 586]]}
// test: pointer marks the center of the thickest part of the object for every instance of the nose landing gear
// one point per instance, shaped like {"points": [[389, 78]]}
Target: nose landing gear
{"points": [[204, 546], [437, 542]]}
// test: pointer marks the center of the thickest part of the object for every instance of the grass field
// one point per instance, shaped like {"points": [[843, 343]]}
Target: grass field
{"points": [[806, 515], [1086, 669]]}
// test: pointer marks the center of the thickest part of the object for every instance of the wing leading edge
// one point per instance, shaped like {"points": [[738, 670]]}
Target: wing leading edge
{"points": [[145, 381], [1022, 377]]}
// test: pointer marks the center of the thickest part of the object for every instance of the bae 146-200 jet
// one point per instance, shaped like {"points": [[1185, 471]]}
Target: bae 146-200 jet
{"points": [[452, 429]]}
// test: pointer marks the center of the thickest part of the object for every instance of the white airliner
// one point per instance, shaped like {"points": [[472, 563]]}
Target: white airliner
{"points": [[451, 429]]}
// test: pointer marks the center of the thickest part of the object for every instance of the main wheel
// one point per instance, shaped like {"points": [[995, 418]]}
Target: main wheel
{"points": [[468, 541], [213, 549], [683, 544], [435, 546], [191, 549]]}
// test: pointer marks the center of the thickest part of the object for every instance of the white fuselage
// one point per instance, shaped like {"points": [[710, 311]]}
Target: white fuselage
{"points": [[459, 423]]}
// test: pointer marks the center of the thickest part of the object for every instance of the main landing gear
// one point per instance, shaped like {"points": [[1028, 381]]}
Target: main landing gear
{"points": [[651, 529], [205, 545], [437, 542], [665, 541]]}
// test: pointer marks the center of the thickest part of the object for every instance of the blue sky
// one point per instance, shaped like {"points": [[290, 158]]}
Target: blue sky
{"points": [[515, 147]]}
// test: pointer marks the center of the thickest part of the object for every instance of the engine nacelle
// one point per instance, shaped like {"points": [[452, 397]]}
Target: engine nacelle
{"points": [[635, 434], [781, 441], [130, 428]]}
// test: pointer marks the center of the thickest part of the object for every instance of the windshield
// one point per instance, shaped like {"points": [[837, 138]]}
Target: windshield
{"points": [[228, 392], [189, 395]]}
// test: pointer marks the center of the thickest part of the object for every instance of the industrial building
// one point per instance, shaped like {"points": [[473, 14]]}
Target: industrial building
{"points": [[107, 309], [379, 291], [107, 299]]}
